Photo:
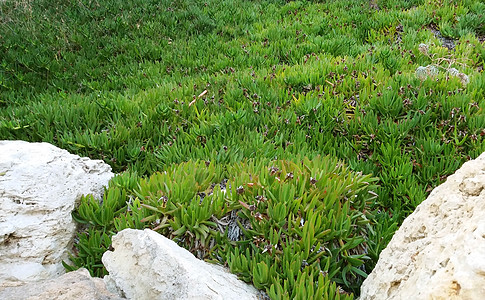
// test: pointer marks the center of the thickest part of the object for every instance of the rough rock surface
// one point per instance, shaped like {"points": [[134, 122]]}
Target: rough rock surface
{"points": [[40, 185], [77, 285], [439, 251], [147, 265]]}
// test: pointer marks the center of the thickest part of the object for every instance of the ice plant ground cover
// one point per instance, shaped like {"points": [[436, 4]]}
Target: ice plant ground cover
{"points": [[285, 140]]}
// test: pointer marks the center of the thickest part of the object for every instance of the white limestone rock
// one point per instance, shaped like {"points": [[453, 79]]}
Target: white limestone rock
{"points": [[439, 251], [77, 285], [147, 265], [40, 185]]}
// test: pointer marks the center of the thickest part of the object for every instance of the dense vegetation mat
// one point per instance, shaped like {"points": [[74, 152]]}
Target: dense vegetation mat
{"points": [[228, 118]]}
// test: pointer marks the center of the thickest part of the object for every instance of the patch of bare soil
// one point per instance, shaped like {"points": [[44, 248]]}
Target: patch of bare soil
{"points": [[445, 41]]}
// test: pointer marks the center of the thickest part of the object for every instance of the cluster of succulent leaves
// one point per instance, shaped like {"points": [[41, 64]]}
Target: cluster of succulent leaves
{"points": [[297, 229], [146, 85]]}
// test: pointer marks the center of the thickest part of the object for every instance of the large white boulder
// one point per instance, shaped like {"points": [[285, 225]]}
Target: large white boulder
{"points": [[40, 185], [77, 285], [439, 251], [147, 265]]}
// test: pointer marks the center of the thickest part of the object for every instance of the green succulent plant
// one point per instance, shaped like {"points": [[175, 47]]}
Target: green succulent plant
{"points": [[192, 102]]}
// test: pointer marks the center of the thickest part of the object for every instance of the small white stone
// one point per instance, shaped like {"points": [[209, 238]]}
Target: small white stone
{"points": [[431, 70], [77, 285], [421, 72], [147, 265], [453, 71], [423, 48]]}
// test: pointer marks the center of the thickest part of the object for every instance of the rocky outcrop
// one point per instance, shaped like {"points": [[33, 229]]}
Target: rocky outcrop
{"points": [[439, 251], [146, 265], [40, 186], [77, 285]]}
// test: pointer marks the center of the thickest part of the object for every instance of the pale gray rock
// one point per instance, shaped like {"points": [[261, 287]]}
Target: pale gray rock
{"points": [[439, 251], [40, 185], [147, 265], [77, 285]]}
